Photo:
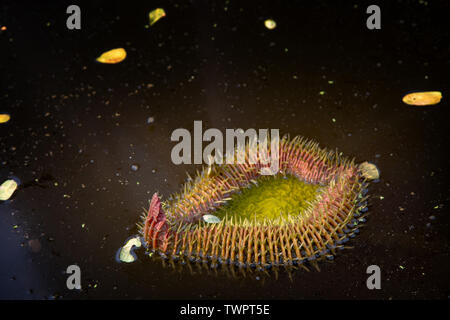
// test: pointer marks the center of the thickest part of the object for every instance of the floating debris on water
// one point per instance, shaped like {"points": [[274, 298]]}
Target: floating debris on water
{"points": [[270, 24], [150, 120], [35, 245], [423, 98], [4, 117], [135, 167], [369, 171], [113, 56], [155, 15], [209, 218], [126, 254], [7, 189]]}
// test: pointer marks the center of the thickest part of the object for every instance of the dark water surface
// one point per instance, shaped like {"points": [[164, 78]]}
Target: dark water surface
{"points": [[77, 127]]}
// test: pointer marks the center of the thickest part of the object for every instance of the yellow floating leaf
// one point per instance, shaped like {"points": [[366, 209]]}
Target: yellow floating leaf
{"points": [[113, 56], [155, 15], [7, 189], [4, 117], [369, 171], [126, 254], [423, 98], [270, 24]]}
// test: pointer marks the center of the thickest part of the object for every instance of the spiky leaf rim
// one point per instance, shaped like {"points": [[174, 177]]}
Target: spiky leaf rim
{"points": [[177, 228]]}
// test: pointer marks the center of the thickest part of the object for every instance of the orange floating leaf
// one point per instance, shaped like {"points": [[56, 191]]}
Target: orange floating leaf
{"points": [[4, 117], [113, 56], [423, 98]]}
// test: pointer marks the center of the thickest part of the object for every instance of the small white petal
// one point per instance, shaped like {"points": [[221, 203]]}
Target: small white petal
{"points": [[126, 254], [209, 218]]}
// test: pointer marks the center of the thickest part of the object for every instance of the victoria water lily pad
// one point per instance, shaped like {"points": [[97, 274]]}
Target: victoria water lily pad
{"points": [[155, 15], [113, 56], [209, 218], [7, 189], [126, 253]]}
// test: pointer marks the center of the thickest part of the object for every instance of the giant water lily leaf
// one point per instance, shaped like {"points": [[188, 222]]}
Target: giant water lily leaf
{"points": [[113, 56], [155, 15], [209, 218], [126, 254], [4, 117], [423, 98], [7, 189]]}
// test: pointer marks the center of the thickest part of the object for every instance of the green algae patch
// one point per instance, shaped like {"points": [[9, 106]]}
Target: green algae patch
{"points": [[270, 198]]}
